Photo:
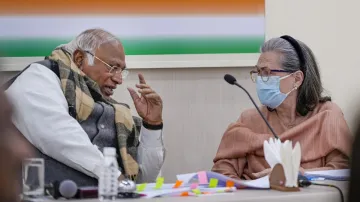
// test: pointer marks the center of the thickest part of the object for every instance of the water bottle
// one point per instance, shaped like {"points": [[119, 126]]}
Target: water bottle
{"points": [[108, 180]]}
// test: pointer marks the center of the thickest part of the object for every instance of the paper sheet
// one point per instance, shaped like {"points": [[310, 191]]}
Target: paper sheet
{"points": [[164, 192], [342, 174], [186, 177], [261, 183]]}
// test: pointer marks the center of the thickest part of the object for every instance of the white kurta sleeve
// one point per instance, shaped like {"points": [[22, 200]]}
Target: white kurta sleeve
{"points": [[41, 114], [151, 154]]}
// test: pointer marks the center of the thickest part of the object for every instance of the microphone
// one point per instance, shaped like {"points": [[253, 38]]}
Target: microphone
{"points": [[303, 181], [232, 80], [66, 189]]}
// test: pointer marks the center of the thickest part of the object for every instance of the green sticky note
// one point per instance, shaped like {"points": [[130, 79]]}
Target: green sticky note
{"points": [[196, 191], [159, 182], [213, 183], [140, 187]]}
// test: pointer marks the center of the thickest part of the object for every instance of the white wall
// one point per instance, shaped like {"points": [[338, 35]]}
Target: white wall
{"points": [[199, 105]]}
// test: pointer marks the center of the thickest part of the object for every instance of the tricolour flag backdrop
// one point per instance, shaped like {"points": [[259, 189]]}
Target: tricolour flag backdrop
{"points": [[146, 27]]}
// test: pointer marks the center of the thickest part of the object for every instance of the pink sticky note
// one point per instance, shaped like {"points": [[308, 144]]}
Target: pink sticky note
{"points": [[202, 177], [193, 186]]}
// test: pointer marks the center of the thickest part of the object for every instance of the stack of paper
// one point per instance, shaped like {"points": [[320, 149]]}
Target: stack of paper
{"points": [[211, 182], [261, 183], [151, 190], [166, 190], [339, 175]]}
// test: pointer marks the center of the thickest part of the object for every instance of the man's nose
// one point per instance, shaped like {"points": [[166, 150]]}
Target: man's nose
{"points": [[117, 78]]}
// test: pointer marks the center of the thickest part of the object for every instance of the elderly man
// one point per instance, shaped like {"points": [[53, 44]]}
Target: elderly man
{"points": [[63, 107]]}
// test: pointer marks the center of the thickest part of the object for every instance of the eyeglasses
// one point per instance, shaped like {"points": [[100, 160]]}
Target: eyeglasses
{"points": [[112, 69], [265, 73]]}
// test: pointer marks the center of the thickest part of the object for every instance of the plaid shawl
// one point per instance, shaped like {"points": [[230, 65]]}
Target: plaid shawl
{"points": [[82, 92]]}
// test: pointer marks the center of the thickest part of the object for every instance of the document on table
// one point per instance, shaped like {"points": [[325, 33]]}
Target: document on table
{"points": [[261, 183], [339, 175]]}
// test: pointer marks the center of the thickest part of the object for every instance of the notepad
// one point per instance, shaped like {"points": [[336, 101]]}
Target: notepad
{"points": [[338, 175]]}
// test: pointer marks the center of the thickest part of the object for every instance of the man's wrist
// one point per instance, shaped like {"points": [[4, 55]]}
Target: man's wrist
{"points": [[153, 126]]}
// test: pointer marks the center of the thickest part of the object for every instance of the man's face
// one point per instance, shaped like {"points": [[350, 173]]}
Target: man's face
{"points": [[114, 56], [13, 149]]}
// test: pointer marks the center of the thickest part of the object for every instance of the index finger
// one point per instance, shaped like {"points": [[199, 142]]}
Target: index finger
{"points": [[141, 79]]}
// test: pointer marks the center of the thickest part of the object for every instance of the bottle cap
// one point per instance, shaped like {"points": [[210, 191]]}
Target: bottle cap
{"points": [[109, 151]]}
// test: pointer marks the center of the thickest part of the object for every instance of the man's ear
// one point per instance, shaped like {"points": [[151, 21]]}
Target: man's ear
{"points": [[78, 58], [299, 78]]}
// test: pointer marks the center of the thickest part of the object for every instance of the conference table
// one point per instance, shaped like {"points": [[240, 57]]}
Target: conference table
{"points": [[308, 194]]}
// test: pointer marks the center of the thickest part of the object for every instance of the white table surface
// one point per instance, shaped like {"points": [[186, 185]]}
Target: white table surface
{"points": [[309, 194]]}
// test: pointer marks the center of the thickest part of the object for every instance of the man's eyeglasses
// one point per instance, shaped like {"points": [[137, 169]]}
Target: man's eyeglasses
{"points": [[112, 69], [265, 73]]}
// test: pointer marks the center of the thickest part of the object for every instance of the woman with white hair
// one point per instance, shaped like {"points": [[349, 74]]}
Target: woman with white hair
{"points": [[289, 86]]}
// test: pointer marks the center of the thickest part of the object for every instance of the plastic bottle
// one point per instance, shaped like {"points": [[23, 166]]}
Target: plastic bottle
{"points": [[108, 180]]}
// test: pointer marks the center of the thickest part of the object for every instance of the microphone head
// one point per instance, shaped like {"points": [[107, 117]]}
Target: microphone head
{"points": [[230, 79], [68, 188], [303, 181], [126, 186]]}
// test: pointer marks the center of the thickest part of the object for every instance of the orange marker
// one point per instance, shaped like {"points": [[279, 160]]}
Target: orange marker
{"points": [[178, 184], [184, 194]]}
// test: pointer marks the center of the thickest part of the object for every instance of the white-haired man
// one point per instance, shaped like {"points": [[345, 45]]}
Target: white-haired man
{"points": [[63, 107]]}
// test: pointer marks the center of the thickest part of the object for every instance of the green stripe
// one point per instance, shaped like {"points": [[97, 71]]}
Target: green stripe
{"points": [[141, 46]]}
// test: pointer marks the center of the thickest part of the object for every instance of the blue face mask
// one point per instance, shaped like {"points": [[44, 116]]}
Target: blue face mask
{"points": [[269, 92]]}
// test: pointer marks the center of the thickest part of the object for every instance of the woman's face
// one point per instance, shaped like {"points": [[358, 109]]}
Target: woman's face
{"points": [[271, 61], [13, 149]]}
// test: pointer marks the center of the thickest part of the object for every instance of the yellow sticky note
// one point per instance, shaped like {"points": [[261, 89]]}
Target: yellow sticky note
{"points": [[159, 182], [140, 187], [196, 191], [213, 183]]}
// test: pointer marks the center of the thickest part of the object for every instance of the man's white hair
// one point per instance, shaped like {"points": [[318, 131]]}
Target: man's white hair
{"points": [[90, 40]]}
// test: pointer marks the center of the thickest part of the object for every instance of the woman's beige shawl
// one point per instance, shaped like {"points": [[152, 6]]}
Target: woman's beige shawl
{"points": [[323, 134]]}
